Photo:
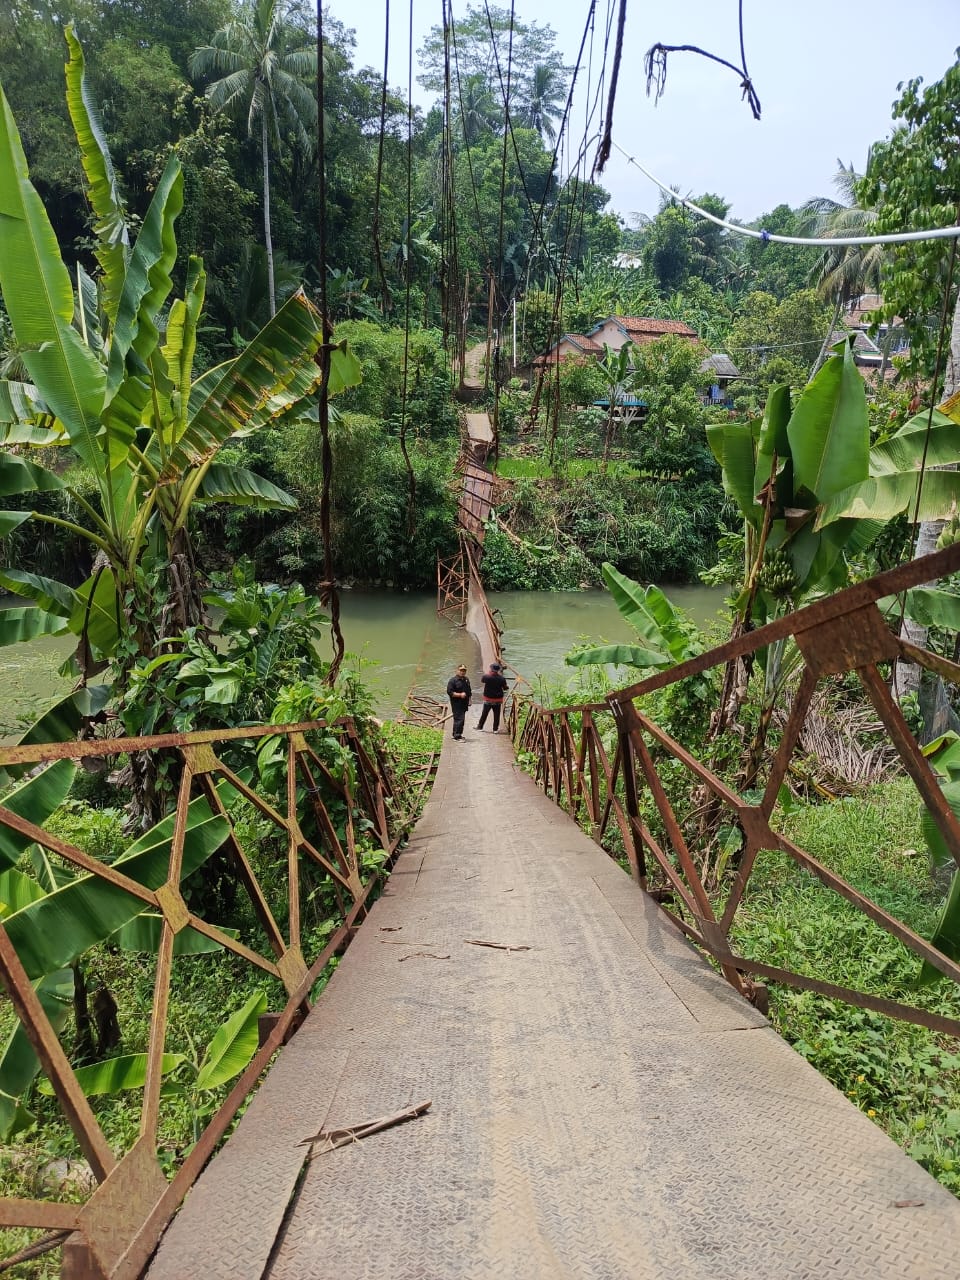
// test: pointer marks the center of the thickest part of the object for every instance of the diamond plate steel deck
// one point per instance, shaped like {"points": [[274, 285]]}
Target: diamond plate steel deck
{"points": [[604, 1105]]}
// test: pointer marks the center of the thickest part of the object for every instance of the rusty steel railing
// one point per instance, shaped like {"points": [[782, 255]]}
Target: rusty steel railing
{"points": [[596, 759], [114, 1232]]}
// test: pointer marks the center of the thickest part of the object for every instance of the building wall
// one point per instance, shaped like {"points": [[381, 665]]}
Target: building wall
{"points": [[611, 334]]}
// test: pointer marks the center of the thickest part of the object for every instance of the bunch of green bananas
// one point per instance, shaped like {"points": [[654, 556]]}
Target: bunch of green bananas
{"points": [[776, 574]]}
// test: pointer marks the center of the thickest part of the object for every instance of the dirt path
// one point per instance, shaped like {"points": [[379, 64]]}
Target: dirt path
{"points": [[473, 366]]}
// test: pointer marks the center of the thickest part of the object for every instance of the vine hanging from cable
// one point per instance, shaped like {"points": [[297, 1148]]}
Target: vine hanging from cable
{"points": [[655, 65]]}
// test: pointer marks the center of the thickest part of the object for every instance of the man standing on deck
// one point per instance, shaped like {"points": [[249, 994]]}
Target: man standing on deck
{"points": [[459, 691], [494, 688]]}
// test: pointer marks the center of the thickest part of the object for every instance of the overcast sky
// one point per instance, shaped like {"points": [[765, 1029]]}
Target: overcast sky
{"points": [[826, 73]]}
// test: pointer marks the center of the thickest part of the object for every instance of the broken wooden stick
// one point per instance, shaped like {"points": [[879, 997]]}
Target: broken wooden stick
{"points": [[497, 946], [333, 1138]]}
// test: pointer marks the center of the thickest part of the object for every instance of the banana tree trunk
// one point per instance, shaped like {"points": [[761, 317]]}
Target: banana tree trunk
{"points": [[906, 679], [267, 236]]}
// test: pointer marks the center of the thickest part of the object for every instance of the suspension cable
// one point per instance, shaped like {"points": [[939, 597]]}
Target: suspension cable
{"points": [[328, 590], [411, 477]]}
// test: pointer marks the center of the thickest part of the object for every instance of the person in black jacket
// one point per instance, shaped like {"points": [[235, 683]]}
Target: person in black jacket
{"points": [[459, 692], [494, 688]]}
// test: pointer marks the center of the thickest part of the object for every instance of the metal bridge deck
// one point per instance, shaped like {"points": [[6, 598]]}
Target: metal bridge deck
{"points": [[603, 1104]]}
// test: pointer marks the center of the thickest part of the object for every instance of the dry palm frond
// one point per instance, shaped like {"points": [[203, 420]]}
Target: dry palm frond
{"points": [[845, 745]]}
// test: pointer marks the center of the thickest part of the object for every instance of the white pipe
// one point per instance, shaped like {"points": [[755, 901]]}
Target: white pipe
{"points": [[895, 237]]}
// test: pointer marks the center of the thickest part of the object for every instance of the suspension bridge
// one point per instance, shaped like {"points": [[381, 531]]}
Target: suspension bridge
{"points": [[525, 1063]]}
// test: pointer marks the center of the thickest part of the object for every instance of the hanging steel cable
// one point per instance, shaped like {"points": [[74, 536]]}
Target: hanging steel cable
{"points": [[377, 246], [411, 477], [328, 588]]}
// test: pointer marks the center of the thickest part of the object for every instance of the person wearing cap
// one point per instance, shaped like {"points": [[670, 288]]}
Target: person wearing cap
{"points": [[459, 693], [494, 688]]}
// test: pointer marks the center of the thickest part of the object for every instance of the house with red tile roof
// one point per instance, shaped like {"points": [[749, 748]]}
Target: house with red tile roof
{"points": [[570, 346], [616, 331]]}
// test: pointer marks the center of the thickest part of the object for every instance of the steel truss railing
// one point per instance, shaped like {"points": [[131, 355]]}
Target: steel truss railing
{"points": [[114, 1232], [595, 759]]}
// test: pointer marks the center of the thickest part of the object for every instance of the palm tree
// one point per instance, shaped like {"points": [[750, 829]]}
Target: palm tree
{"points": [[547, 98], [848, 271], [261, 76], [478, 111]]}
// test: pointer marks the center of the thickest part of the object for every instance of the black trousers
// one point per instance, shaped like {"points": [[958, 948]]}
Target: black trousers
{"points": [[459, 709], [487, 707]]}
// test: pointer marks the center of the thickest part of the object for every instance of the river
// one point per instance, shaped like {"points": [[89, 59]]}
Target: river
{"points": [[402, 635]]}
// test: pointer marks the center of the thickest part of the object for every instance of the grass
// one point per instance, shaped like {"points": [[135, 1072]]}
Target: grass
{"points": [[540, 469], [904, 1077]]}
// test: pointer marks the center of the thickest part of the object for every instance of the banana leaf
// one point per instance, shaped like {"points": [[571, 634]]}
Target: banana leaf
{"points": [[274, 372], [774, 443], [28, 623], [26, 433], [87, 314], [946, 936], [912, 446], [648, 611], [55, 930], [619, 655], [61, 721], [10, 520], [927, 606], [147, 282], [102, 188], [181, 343], [243, 488], [883, 497], [19, 1063], [14, 1118], [18, 404], [17, 475], [96, 613], [940, 855], [143, 935], [714, 432], [35, 800], [38, 296], [46, 593], [829, 431], [16, 891], [233, 1045], [739, 469], [114, 1075]]}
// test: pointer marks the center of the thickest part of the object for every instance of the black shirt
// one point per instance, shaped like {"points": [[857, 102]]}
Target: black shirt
{"points": [[494, 687], [458, 684]]}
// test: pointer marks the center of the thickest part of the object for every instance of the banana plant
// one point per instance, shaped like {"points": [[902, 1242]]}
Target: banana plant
{"points": [[113, 382], [230, 1049], [667, 636], [54, 917], [781, 472]]}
